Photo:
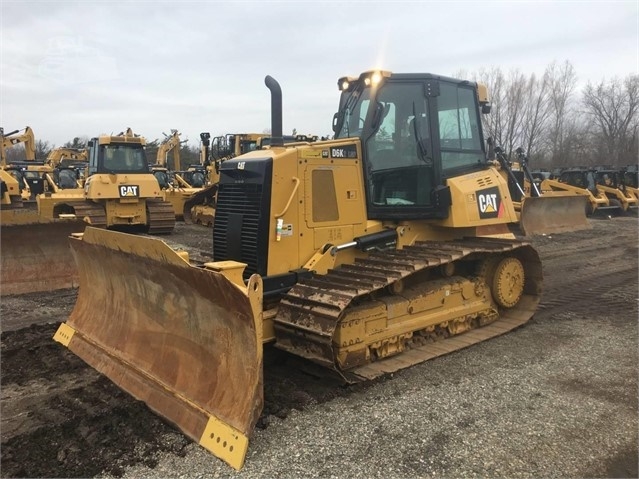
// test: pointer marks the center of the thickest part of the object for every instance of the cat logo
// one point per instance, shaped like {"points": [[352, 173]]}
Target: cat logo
{"points": [[489, 203], [241, 165], [129, 191]]}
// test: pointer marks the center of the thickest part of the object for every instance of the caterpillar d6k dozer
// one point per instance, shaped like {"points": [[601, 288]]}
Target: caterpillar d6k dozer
{"points": [[541, 213], [120, 191], [377, 250]]}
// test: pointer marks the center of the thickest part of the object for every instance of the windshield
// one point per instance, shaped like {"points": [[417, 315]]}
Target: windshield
{"points": [[607, 178], [353, 112], [124, 157]]}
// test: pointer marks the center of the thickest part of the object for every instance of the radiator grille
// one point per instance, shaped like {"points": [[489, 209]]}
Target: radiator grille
{"points": [[236, 232]]}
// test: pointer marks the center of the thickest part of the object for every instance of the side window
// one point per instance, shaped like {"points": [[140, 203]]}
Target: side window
{"points": [[459, 132]]}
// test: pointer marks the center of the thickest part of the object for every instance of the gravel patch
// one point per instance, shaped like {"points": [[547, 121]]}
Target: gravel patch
{"points": [[557, 398]]}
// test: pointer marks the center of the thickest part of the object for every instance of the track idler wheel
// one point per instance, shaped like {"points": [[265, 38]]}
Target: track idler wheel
{"points": [[508, 282]]}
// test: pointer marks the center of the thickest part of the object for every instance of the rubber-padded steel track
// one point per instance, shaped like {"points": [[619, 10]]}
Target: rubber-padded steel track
{"points": [[310, 312], [91, 213], [161, 216]]}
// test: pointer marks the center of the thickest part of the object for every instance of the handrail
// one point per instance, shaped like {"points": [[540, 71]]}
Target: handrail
{"points": [[288, 203]]}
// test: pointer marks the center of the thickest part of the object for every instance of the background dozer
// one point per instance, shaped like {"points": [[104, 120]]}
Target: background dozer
{"points": [[120, 191], [34, 246], [540, 213], [366, 254], [581, 181], [610, 181]]}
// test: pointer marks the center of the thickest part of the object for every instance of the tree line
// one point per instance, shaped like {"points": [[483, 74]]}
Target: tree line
{"points": [[558, 126]]}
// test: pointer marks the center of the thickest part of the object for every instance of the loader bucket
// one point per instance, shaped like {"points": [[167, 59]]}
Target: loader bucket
{"points": [[184, 339], [36, 257], [553, 214]]}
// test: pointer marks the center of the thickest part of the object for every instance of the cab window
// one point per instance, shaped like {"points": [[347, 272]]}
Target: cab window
{"points": [[459, 130]]}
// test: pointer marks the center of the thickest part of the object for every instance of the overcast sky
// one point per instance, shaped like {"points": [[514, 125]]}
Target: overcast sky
{"points": [[86, 68]]}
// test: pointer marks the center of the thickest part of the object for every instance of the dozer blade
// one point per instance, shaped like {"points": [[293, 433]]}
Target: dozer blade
{"points": [[553, 214], [185, 340], [37, 257]]}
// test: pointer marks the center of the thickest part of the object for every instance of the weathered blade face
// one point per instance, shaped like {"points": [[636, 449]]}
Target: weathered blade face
{"points": [[184, 339], [553, 214], [37, 257]]}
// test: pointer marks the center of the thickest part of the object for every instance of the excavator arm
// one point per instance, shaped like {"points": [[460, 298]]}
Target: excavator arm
{"points": [[15, 138], [170, 144], [62, 153]]}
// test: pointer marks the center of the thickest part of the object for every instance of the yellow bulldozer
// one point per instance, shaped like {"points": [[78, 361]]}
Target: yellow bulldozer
{"points": [[540, 213], [380, 249], [120, 191], [34, 249]]}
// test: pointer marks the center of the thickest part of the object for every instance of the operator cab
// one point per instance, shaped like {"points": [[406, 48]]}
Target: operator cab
{"points": [[631, 177], [111, 157], [581, 178], [66, 177], [416, 130]]}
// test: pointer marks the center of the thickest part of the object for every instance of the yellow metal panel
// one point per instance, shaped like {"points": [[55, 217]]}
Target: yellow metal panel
{"points": [[347, 189], [225, 442], [333, 235], [285, 198]]}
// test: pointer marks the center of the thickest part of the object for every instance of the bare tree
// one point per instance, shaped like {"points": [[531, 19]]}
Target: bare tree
{"points": [[613, 106], [538, 111], [493, 124], [562, 80]]}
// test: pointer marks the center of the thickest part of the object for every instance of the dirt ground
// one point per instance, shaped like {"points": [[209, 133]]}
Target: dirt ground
{"points": [[60, 418]]}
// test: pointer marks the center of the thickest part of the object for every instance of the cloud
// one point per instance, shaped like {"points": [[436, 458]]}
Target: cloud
{"points": [[82, 68]]}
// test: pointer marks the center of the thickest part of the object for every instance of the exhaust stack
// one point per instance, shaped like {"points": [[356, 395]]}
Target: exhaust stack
{"points": [[276, 111]]}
